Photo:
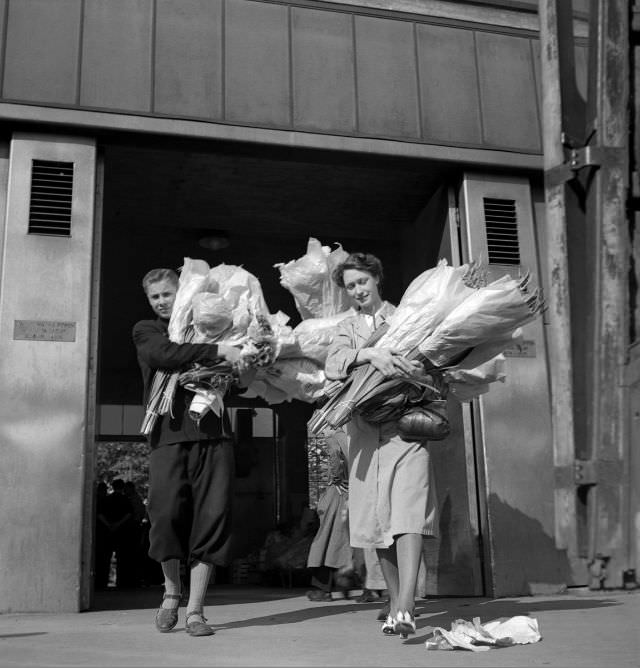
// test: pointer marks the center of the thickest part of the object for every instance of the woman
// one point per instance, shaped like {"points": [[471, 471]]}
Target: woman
{"points": [[392, 500], [330, 556]]}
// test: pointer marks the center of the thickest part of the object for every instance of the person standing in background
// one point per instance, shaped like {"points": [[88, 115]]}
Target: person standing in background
{"points": [[119, 514], [139, 513], [103, 546], [330, 555]]}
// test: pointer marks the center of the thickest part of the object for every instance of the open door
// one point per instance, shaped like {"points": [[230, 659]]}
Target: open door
{"points": [[512, 423]]}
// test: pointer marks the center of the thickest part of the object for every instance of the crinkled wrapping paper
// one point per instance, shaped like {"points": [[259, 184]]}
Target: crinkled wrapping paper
{"points": [[490, 313], [477, 637], [428, 299], [309, 281]]}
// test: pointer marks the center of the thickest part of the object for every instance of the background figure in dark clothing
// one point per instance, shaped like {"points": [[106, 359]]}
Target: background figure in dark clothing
{"points": [[191, 466], [103, 547], [330, 555], [135, 529], [119, 514]]}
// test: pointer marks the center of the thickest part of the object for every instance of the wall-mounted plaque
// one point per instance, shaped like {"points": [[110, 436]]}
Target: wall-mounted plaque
{"points": [[44, 330], [522, 349]]}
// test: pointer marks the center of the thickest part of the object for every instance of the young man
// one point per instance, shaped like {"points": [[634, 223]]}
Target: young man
{"points": [[191, 466]]}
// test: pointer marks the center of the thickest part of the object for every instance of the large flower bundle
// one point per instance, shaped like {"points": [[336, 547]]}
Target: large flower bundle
{"points": [[223, 304], [319, 301], [297, 370], [445, 316], [308, 279]]}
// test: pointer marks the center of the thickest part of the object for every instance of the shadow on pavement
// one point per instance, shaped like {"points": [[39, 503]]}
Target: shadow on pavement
{"points": [[437, 612], [151, 597], [432, 611]]}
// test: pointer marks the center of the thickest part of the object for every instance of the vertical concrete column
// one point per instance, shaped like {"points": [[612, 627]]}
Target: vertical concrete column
{"points": [[45, 294]]}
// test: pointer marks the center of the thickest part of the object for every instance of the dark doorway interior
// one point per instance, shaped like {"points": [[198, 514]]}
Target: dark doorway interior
{"points": [[161, 198]]}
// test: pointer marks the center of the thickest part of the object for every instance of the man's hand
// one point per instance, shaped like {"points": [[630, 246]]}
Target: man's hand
{"points": [[246, 377], [229, 353], [390, 362]]}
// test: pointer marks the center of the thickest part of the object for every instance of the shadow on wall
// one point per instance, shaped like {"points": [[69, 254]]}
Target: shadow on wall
{"points": [[452, 563], [522, 554], [522, 557], [449, 559]]}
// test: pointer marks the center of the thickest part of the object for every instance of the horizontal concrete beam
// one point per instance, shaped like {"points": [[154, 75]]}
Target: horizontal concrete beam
{"points": [[98, 120]]}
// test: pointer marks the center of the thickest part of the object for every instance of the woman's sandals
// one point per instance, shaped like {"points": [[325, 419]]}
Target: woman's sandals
{"points": [[404, 624], [388, 626]]}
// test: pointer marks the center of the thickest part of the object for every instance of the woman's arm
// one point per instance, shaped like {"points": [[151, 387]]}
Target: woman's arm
{"points": [[343, 355], [388, 361]]}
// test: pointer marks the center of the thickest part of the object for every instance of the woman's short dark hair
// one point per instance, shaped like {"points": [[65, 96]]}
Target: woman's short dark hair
{"points": [[157, 275], [362, 262]]}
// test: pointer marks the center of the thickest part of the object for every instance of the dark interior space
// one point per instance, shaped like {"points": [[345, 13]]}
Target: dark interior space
{"points": [[159, 202], [265, 203]]}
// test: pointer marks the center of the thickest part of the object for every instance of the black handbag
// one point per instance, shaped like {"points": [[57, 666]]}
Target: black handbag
{"points": [[427, 422]]}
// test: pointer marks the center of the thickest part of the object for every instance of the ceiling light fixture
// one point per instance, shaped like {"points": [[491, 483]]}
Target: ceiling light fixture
{"points": [[216, 241]]}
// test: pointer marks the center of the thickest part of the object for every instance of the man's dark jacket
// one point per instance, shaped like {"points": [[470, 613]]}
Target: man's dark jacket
{"points": [[155, 351]]}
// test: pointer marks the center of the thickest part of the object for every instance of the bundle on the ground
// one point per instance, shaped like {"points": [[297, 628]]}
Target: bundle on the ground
{"points": [[477, 637], [445, 316]]}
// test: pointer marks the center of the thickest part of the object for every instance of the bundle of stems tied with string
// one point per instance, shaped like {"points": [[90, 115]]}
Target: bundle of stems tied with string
{"points": [[445, 315]]}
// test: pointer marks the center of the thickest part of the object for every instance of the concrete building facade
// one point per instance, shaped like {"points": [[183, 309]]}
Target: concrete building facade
{"points": [[132, 129]]}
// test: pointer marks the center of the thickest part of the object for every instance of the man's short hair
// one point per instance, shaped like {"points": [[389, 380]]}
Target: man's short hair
{"points": [[157, 275]]}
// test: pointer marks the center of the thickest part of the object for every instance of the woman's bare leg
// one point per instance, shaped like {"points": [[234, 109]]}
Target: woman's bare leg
{"points": [[409, 553], [389, 563]]}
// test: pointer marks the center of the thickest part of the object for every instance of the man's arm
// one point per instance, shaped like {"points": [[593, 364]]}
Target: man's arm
{"points": [[158, 352]]}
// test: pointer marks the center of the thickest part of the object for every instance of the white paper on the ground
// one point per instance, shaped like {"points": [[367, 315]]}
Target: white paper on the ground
{"points": [[477, 637]]}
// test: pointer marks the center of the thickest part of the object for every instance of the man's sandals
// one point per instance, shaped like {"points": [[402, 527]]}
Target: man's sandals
{"points": [[198, 627], [167, 618]]}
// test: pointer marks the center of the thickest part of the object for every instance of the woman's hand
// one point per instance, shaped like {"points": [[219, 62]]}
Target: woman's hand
{"points": [[389, 362]]}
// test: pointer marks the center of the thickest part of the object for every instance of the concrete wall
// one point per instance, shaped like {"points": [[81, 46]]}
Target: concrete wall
{"points": [[45, 280]]}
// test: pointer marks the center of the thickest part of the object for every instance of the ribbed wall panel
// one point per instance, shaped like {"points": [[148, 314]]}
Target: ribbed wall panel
{"points": [[188, 58], [42, 51], [278, 65], [116, 71]]}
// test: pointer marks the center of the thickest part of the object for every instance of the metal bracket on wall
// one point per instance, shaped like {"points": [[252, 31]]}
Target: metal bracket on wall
{"points": [[579, 158], [589, 472], [594, 471], [585, 472]]}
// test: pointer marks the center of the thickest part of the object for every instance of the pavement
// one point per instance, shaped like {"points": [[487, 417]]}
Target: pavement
{"points": [[263, 626]]}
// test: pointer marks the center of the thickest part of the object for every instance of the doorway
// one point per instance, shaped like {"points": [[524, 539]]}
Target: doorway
{"points": [[163, 197]]}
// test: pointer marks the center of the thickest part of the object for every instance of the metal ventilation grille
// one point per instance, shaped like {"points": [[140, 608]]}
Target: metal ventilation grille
{"points": [[501, 225], [51, 198]]}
